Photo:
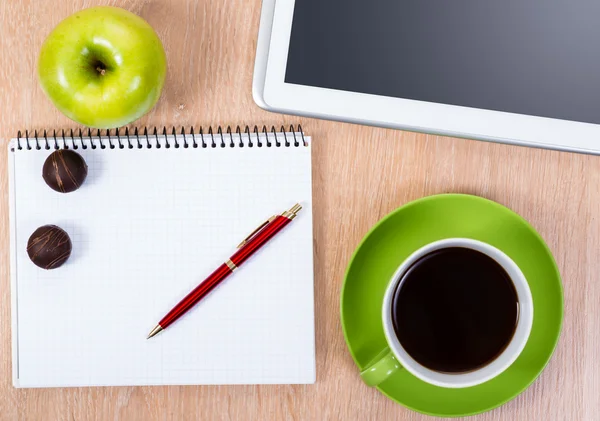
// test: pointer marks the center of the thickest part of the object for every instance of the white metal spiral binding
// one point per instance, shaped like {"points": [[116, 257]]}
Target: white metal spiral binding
{"points": [[138, 138]]}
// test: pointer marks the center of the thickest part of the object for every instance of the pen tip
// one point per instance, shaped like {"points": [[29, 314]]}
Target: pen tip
{"points": [[157, 329]]}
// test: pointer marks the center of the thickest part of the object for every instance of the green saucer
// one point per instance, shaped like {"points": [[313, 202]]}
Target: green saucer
{"points": [[430, 219]]}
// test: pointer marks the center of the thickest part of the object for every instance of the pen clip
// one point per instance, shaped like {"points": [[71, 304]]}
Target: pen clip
{"points": [[253, 233]]}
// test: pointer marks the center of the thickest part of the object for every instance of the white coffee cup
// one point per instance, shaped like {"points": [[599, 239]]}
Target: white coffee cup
{"points": [[395, 356]]}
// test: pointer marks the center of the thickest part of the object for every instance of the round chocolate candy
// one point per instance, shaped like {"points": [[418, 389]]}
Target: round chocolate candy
{"points": [[64, 170], [49, 247]]}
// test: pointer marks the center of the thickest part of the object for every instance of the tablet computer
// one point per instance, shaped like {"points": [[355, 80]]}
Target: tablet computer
{"points": [[517, 72]]}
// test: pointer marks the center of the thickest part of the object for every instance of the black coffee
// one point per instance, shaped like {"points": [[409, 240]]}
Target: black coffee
{"points": [[455, 310]]}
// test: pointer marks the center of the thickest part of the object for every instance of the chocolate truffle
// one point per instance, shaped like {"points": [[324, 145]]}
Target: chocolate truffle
{"points": [[64, 170], [49, 247]]}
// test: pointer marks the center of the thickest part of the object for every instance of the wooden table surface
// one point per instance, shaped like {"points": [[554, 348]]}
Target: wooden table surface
{"points": [[360, 174]]}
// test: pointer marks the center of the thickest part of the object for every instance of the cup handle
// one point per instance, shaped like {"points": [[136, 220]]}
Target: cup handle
{"points": [[380, 368]]}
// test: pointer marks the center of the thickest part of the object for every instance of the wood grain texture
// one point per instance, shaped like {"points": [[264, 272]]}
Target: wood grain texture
{"points": [[360, 174]]}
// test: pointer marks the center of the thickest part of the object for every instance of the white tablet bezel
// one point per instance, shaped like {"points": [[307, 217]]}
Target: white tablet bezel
{"points": [[272, 93]]}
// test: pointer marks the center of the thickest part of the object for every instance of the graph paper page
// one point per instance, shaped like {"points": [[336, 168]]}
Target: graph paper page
{"points": [[148, 226]]}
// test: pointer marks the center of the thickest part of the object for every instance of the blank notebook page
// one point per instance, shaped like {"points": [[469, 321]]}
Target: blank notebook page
{"points": [[148, 226]]}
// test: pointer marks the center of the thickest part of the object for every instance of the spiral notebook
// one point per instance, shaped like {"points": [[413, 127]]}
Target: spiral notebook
{"points": [[159, 211]]}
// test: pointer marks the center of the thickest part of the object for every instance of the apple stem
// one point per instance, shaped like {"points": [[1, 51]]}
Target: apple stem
{"points": [[101, 70]]}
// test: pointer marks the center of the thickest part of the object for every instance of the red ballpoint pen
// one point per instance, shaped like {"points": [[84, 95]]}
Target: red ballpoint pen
{"points": [[259, 237]]}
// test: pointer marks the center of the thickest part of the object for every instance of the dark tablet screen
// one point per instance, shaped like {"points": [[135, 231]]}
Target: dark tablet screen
{"points": [[530, 57]]}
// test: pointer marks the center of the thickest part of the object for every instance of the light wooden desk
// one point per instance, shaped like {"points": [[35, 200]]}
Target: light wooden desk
{"points": [[360, 174]]}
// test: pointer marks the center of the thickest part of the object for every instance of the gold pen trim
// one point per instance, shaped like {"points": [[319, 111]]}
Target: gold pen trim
{"points": [[157, 329], [231, 265], [261, 226], [289, 214], [293, 212]]}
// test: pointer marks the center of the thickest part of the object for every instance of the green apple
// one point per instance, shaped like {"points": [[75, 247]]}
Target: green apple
{"points": [[103, 67]]}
